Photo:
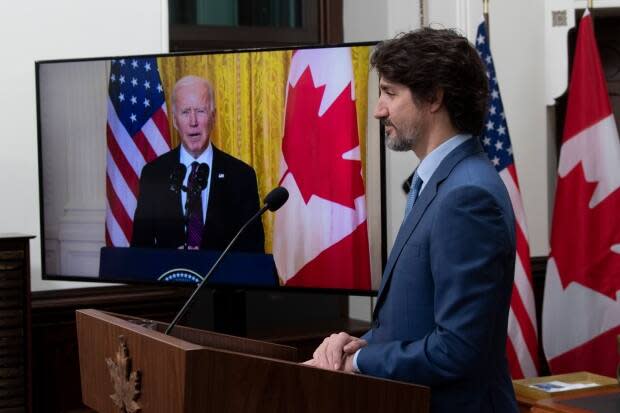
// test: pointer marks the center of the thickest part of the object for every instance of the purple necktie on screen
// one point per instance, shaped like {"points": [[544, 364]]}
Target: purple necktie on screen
{"points": [[194, 199]]}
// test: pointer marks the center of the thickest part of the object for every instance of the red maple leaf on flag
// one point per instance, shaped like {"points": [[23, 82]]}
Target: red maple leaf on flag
{"points": [[313, 145], [582, 254]]}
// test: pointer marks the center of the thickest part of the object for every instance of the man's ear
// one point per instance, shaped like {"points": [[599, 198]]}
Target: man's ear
{"points": [[437, 102]]}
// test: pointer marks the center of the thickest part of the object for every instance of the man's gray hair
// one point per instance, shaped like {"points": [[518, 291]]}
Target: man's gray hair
{"points": [[191, 80]]}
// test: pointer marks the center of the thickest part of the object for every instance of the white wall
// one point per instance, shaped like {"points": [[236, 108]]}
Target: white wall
{"points": [[38, 30], [517, 33]]}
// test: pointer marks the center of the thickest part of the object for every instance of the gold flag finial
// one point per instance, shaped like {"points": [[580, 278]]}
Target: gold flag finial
{"points": [[485, 15], [590, 4]]}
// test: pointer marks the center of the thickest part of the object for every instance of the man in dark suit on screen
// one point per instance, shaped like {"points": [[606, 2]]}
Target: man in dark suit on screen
{"points": [[202, 204], [441, 313]]}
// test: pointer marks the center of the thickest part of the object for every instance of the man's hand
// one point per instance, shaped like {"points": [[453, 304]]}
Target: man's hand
{"points": [[336, 352]]}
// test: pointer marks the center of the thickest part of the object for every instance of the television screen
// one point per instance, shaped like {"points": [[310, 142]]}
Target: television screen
{"points": [[150, 165]]}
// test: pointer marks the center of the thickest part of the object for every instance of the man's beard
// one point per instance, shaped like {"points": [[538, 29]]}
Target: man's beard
{"points": [[398, 142]]}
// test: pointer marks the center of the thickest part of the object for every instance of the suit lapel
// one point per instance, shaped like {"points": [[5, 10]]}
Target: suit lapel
{"points": [[467, 148]]}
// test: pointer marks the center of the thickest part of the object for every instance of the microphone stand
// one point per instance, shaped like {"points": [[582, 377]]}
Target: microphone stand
{"points": [[191, 299]]}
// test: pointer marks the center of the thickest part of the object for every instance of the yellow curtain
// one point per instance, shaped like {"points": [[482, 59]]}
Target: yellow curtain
{"points": [[250, 96], [360, 56]]}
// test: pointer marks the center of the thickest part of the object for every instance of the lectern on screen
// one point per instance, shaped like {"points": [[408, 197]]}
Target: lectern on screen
{"points": [[111, 139]]}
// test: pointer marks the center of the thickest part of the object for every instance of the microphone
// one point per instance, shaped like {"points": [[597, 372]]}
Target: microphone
{"points": [[175, 180], [201, 179], [273, 201], [276, 198], [202, 176]]}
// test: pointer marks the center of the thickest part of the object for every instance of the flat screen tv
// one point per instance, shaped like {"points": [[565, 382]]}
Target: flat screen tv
{"points": [[122, 200]]}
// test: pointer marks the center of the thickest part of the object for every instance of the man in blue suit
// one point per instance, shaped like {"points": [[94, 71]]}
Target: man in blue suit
{"points": [[442, 310]]}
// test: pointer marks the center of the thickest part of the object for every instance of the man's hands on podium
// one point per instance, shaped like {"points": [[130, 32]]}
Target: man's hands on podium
{"points": [[336, 352]]}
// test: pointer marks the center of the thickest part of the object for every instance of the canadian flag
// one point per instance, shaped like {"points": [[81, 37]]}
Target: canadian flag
{"points": [[320, 234], [581, 311]]}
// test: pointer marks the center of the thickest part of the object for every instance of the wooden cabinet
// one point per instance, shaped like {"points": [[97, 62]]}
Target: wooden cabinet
{"points": [[15, 339]]}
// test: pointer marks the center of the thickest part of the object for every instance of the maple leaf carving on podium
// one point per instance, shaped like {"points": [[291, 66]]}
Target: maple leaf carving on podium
{"points": [[126, 382], [313, 145]]}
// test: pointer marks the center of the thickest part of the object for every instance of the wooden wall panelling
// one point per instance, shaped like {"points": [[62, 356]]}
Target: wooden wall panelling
{"points": [[15, 379]]}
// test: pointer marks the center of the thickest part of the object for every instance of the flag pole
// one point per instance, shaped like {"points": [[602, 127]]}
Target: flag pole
{"points": [[485, 14]]}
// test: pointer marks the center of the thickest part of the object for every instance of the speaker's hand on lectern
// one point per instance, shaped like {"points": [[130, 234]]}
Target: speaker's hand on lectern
{"points": [[336, 352]]}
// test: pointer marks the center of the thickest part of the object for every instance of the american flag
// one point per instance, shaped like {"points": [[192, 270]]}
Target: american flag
{"points": [[137, 132], [522, 345]]}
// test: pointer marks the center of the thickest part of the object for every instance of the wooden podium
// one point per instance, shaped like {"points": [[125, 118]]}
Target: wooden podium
{"points": [[129, 365]]}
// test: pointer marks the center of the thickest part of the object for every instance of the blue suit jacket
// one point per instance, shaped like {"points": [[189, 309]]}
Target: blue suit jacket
{"points": [[441, 314]]}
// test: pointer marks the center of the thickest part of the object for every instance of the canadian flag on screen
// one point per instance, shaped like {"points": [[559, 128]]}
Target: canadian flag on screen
{"points": [[581, 311], [320, 235]]}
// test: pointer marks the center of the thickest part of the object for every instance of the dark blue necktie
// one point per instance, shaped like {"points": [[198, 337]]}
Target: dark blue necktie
{"points": [[416, 184]]}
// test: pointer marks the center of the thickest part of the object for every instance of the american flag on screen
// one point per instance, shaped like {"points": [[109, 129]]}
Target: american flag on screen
{"points": [[137, 132], [522, 345]]}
